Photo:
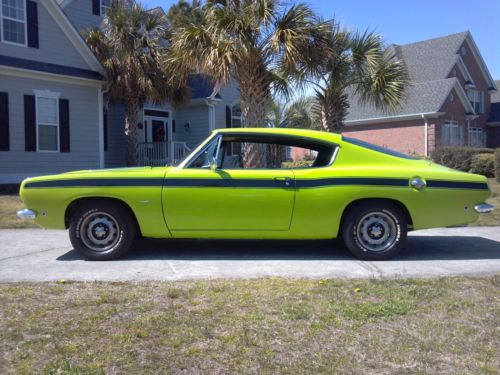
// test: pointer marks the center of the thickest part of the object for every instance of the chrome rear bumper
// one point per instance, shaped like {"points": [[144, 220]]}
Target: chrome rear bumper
{"points": [[483, 208], [26, 214]]}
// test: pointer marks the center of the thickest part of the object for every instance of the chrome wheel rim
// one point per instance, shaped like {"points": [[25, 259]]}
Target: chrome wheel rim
{"points": [[377, 231], [100, 231]]}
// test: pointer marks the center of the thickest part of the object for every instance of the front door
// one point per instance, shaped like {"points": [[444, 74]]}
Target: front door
{"points": [[159, 131], [199, 197]]}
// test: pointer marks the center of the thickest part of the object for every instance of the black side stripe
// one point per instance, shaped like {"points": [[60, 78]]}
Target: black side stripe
{"points": [[97, 182], [247, 183], [457, 185]]}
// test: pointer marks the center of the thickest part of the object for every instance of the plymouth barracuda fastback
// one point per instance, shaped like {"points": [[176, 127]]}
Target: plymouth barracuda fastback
{"points": [[260, 184]]}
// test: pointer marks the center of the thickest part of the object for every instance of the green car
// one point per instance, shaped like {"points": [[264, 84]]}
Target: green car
{"points": [[260, 183]]}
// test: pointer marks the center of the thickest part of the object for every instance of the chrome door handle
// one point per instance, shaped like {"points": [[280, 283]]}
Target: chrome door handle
{"points": [[286, 180]]}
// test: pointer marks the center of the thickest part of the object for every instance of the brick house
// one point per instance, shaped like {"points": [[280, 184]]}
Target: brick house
{"points": [[494, 119], [447, 103]]}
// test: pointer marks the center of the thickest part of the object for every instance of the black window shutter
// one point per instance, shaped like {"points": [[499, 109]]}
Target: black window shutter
{"points": [[4, 121], [64, 125], [228, 117], [29, 123], [173, 126], [105, 125], [32, 26], [96, 7]]}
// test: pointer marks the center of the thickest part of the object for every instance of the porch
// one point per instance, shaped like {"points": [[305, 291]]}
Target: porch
{"points": [[158, 154]]}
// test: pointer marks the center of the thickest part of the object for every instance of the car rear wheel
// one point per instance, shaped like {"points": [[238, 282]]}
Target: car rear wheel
{"points": [[102, 230], [375, 230]]}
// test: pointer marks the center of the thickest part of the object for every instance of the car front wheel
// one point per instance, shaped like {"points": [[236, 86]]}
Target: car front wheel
{"points": [[102, 230], [375, 230]]}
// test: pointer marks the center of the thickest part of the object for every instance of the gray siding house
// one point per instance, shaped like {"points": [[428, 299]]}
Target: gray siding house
{"points": [[54, 115]]}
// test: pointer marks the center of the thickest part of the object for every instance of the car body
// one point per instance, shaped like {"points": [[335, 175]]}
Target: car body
{"points": [[203, 197]]}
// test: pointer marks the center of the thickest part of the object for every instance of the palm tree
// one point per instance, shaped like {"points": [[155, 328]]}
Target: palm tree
{"points": [[299, 114], [258, 43], [356, 65], [131, 47], [184, 12]]}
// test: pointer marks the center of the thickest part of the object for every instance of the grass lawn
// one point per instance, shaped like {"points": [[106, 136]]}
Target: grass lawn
{"points": [[9, 205], [492, 218], [259, 326]]}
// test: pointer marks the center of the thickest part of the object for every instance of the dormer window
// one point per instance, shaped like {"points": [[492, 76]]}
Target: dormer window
{"points": [[105, 6], [14, 21], [463, 51]]}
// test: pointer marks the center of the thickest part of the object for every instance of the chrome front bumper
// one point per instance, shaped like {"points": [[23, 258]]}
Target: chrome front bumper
{"points": [[483, 208], [26, 214]]}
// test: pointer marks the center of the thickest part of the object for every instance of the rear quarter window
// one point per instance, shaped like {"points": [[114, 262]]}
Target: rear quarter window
{"points": [[382, 150]]}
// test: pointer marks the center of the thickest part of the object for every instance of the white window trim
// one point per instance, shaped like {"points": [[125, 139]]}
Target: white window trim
{"points": [[48, 95], [2, 17], [233, 117]]}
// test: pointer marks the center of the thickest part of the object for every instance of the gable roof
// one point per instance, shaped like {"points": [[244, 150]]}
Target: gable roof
{"points": [[421, 98], [202, 87], [72, 34], [431, 59], [428, 62]]}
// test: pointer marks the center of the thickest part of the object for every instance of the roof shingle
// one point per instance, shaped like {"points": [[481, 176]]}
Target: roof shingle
{"points": [[423, 97]]}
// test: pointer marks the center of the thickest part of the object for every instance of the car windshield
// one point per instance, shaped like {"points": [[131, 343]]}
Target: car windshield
{"points": [[376, 148]]}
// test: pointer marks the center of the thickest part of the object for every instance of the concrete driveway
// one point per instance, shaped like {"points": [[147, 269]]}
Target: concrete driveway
{"points": [[42, 255]]}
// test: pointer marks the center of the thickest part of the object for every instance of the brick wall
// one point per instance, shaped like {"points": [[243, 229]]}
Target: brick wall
{"points": [[407, 136], [481, 84]]}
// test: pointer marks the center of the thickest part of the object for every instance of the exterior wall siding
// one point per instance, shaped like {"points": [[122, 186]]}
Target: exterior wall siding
{"points": [[197, 117], [54, 46], [80, 14], [229, 94], [116, 154], [17, 164]]}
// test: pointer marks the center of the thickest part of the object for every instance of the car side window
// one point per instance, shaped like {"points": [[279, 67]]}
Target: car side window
{"points": [[207, 155], [256, 155]]}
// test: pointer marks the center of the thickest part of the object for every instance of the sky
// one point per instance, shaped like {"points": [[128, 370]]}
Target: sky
{"points": [[407, 21]]}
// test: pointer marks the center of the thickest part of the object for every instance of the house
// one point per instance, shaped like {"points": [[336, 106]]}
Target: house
{"points": [[494, 119], [447, 103], [54, 115]]}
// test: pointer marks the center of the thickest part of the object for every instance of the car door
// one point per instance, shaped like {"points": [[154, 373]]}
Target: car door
{"points": [[203, 197]]}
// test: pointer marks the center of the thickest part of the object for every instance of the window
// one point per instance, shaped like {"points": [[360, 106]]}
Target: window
{"points": [[452, 134], [105, 6], [236, 118], [476, 99], [270, 153], [376, 148], [14, 21], [477, 137], [47, 119]]}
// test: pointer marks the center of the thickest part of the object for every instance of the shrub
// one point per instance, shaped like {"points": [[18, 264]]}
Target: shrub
{"points": [[457, 157], [497, 164], [483, 164]]}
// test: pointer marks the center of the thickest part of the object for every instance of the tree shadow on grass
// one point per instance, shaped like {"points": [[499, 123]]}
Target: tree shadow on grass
{"points": [[419, 248]]}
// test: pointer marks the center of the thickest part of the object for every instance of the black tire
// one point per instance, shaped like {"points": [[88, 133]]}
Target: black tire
{"points": [[375, 230], [102, 230]]}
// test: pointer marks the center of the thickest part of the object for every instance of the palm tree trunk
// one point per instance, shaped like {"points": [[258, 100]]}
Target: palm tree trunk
{"points": [[255, 96], [334, 109], [131, 131]]}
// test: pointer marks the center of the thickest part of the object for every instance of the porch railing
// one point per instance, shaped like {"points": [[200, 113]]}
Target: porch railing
{"points": [[162, 153]]}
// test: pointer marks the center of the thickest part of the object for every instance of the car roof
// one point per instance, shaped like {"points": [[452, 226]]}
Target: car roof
{"points": [[315, 134]]}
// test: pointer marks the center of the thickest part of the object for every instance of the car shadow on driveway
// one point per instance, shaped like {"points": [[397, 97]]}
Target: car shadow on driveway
{"points": [[419, 248]]}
